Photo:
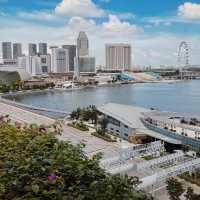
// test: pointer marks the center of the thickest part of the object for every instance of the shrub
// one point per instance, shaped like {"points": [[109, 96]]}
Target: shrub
{"points": [[36, 165]]}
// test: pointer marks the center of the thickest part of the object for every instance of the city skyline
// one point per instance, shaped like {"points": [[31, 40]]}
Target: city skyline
{"points": [[154, 32]]}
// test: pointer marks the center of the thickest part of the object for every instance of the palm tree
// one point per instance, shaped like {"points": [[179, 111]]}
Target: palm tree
{"points": [[174, 188], [104, 123]]}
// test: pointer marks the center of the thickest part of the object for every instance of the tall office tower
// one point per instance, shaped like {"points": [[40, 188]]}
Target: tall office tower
{"points": [[60, 60], [17, 50], [72, 54], [35, 65], [32, 49], [43, 48], [86, 65], [6, 50], [118, 57], [82, 44]]}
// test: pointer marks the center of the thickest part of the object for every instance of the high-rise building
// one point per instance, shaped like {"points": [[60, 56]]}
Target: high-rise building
{"points": [[60, 60], [72, 54], [43, 48], [6, 50], [32, 49], [82, 44], [86, 64], [83, 63], [118, 57], [17, 50], [35, 65]]}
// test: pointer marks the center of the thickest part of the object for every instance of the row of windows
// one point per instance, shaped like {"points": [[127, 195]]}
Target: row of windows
{"points": [[113, 121], [112, 131]]}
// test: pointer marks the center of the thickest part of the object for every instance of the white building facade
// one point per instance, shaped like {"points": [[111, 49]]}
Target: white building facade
{"points": [[59, 60], [35, 65]]}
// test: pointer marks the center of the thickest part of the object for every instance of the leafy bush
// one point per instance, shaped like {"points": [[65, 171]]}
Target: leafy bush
{"points": [[103, 135], [79, 126], [36, 166]]}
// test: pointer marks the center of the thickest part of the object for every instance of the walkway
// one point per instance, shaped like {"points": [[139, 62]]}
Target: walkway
{"points": [[24, 116], [93, 144]]}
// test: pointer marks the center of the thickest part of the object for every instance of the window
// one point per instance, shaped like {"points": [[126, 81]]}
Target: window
{"points": [[43, 60], [113, 121], [125, 126], [126, 134]]}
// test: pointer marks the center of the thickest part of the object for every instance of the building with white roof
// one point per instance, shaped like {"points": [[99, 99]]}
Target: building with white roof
{"points": [[126, 121]]}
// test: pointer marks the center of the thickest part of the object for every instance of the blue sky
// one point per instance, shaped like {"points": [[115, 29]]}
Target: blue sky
{"points": [[154, 28]]}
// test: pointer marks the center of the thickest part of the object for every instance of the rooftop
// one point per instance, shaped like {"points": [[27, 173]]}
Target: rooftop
{"points": [[131, 116]]}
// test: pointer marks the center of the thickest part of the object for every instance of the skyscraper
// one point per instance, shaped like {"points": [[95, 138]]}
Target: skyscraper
{"points": [[72, 54], [86, 64], [82, 45], [83, 63], [32, 49], [43, 48], [118, 57], [17, 50], [7, 50], [59, 60]]}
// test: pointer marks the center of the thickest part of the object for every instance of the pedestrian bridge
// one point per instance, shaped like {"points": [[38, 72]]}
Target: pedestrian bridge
{"points": [[158, 136]]}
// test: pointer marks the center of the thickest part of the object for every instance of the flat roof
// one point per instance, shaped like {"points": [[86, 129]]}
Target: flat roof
{"points": [[129, 115], [173, 118]]}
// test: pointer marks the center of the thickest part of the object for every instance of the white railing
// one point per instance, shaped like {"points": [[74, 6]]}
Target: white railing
{"points": [[165, 159]]}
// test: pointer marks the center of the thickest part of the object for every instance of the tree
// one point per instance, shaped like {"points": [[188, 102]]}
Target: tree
{"points": [[190, 195], [174, 188], [36, 165], [103, 123]]}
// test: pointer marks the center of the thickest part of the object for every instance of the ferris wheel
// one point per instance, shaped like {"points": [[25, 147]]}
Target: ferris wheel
{"points": [[183, 55]]}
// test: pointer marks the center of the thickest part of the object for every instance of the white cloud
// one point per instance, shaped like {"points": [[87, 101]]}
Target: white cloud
{"points": [[39, 15], [189, 11], [148, 49], [81, 8], [114, 26]]}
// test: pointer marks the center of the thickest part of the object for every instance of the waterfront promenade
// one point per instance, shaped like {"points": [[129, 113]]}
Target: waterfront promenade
{"points": [[23, 116], [93, 145]]}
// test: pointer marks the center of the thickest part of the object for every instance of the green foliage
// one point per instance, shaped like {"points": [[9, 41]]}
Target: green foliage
{"points": [[190, 195], [193, 178], [36, 166], [4, 88], [80, 126], [148, 157], [18, 85], [174, 188], [100, 133], [85, 114], [103, 123]]}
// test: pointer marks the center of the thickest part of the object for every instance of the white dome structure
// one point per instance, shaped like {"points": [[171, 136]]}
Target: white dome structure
{"points": [[10, 74]]}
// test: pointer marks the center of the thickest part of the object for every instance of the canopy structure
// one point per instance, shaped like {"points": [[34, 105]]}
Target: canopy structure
{"points": [[10, 74]]}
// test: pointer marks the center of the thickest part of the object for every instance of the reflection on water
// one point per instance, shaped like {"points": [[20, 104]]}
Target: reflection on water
{"points": [[180, 97]]}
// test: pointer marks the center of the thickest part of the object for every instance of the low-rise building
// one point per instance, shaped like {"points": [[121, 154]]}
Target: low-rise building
{"points": [[127, 122]]}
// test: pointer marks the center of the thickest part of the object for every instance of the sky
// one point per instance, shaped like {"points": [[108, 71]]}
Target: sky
{"points": [[154, 28]]}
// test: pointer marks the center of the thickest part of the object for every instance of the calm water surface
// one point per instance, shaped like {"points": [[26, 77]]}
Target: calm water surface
{"points": [[180, 97]]}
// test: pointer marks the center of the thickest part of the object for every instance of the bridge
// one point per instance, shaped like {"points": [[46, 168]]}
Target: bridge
{"points": [[53, 113]]}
